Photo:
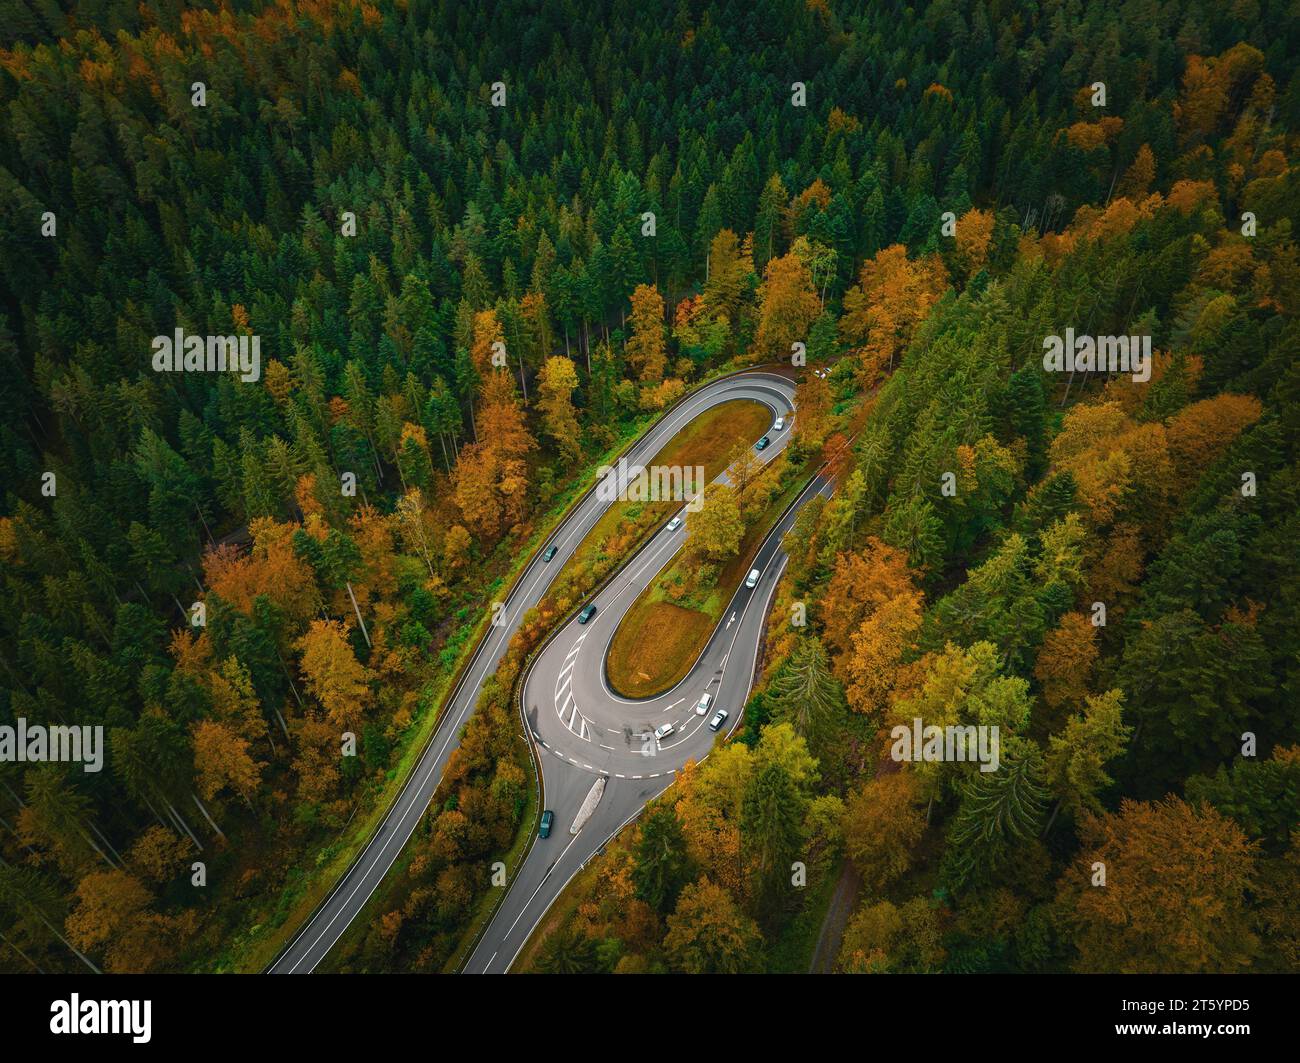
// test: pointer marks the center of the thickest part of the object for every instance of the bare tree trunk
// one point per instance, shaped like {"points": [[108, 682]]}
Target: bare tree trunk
{"points": [[211, 822], [357, 609], [32, 963], [179, 820], [1052, 818]]}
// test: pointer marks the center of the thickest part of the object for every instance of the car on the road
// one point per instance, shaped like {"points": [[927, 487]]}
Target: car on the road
{"points": [[762, 443], [544, 828], [719, 718], [751, 581], [588, 611], [780, 424], [663, 731], [702, 706], [550, 553], [674, 524]]}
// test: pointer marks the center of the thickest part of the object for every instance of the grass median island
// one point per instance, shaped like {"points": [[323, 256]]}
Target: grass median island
{"points": [[655, 646]]}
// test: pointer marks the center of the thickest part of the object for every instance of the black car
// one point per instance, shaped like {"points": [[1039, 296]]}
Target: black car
{"points": [[550, 553]]}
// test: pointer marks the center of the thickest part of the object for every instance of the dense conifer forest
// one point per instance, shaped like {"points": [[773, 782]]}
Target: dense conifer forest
{"points": [[227, 574]]}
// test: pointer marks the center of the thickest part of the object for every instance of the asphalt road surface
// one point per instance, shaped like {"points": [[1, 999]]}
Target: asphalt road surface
{"points": [[584, 730], [570, 761]]}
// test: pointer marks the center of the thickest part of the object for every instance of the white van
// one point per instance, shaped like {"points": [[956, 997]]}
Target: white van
{"points": [[703, 705], [751, 581]]}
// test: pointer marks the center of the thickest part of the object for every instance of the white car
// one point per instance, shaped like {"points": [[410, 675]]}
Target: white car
{"points": [[751, 581], [663, 731], [703, 705], [719, 718], [674, 524], [780, 423]]}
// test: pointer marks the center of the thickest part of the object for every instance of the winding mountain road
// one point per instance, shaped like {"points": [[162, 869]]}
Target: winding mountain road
{"points": [[572, 759]]}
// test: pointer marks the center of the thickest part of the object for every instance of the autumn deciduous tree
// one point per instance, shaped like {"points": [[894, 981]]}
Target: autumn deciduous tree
{"points": [[870, 668], [881, 312], [491, 478], [1119, 466], [235, 701], [333, 675], [973, 235], [709, 934], [113, 917], [1138, 177], [883, 821], [222, 760], [729, 272], [787, 306], [646, 350], [159, 854], [415, 526], [559, 420], [1065, 661], [1208, 87], [270, 568], [1174, 901], [455, 548], [501, 424], [1199, 433], [883, 937], [477, 475], [709, 812], [487, 331], [812, 398], [861, 582], [717, 528]]}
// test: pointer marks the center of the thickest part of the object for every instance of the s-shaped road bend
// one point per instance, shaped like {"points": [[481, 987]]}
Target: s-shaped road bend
{"points": [[598, 733]]}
